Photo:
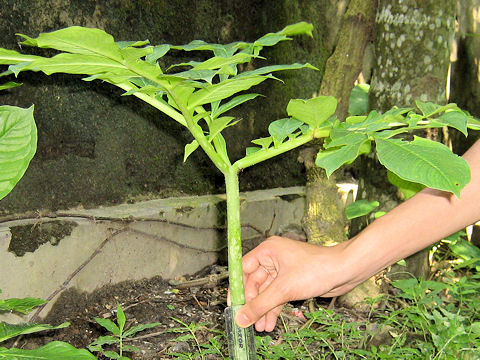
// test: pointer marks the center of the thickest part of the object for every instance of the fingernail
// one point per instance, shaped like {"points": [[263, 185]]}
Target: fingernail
{"points": [[242, 320]]}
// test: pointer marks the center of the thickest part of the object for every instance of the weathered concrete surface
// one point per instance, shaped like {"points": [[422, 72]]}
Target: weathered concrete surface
{"points": [[168, 237], [98, 148]]}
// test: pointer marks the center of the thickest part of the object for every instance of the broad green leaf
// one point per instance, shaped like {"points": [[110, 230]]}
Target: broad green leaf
{"points": [[78, 40], [281, 129], [455, 119], [358, 102], [223, 90], [132, 54], [18, 143], [9, 85], [158, 52], [11, 57], [237, 100], [473, 123], [360, 208], [218, 62], [426, 162], [349, 138], [332, 159], [270, 40], [109, 325], [407, 188], [129, 348], [428, 108], [465, 250], [75, 64], [8, 331], [55, 350], [121, 319], [313, 111], [189, 149], [125, 44], [135, 329], [24, 305]]}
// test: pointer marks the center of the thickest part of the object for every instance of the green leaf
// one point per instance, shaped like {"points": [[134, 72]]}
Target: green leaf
{"points": [[218, 62], [272, 68], [11, 57], [23, 306], [8, 331], [223, 90], [428, 108], [78, 40], [18, 143], [217, 125], [358, 102], [407, 188], [465, 250], [189, 149], [237, 100], [75, 64], [109, 325], [455, 119], [158, 52], [121, 319], [249, 150], [103, 340], [135, 329], [111, 354], [332, 159], [55, 350], [313, 111], [221, 147], [426, 162], [281, 129], [299, 28], [9, 85], [360, 208], [264, 142]]}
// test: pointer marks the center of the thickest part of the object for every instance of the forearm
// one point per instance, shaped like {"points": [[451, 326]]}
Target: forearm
{"points": [[415, 224]]}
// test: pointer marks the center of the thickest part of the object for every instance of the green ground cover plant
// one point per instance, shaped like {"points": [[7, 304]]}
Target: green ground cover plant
{"points": [[199, 94]]}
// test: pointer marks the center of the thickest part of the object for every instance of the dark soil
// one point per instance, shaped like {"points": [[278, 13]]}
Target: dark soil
{"points": [[144, 301]]}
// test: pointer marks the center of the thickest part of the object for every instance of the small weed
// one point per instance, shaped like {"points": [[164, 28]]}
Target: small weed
{"points": [[118, 337], [216, 345]]}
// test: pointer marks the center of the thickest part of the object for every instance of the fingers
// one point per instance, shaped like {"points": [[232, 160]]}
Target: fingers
{"points": [[266, 301]]}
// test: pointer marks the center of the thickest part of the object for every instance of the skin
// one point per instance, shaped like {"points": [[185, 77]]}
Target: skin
{"points": [[280, 270]]}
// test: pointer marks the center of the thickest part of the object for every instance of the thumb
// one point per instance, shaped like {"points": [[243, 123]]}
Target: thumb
{"points": [[267, 300]]}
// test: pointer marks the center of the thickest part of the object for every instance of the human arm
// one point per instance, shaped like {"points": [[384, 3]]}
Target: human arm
{"points": [[281, 270]]}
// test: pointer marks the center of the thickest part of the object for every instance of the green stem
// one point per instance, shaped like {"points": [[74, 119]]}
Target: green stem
{"points": [[235, 274], [265, 154]]}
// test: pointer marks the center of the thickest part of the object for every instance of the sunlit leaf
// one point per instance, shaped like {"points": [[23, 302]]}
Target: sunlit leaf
{"points": [[332, 159], [358, 102], [109, 325], [55, 350], [18, 143], [360, 208], [24, 305], [426, 162], [189, 149], [281, 129], [313, 111], [8, 331]]}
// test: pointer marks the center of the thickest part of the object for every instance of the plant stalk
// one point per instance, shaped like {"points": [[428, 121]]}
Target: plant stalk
{"points": [[241, 342]]}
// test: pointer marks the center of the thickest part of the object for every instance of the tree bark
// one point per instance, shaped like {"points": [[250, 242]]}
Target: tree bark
{"points": [[413, 42], [324, 219]]}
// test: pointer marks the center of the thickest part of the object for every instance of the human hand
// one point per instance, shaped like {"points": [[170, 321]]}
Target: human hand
{"points": [[280, 270]]}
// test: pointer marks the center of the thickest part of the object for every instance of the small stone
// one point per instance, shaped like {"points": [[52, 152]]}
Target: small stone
{"points": [[181, 347]]}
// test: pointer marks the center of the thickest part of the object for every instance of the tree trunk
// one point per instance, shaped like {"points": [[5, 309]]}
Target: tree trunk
{"points": [[324, 219], [413, 45]]}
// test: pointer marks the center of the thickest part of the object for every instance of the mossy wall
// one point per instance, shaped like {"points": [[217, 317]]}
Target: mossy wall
{"points": [[96, 147]]}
